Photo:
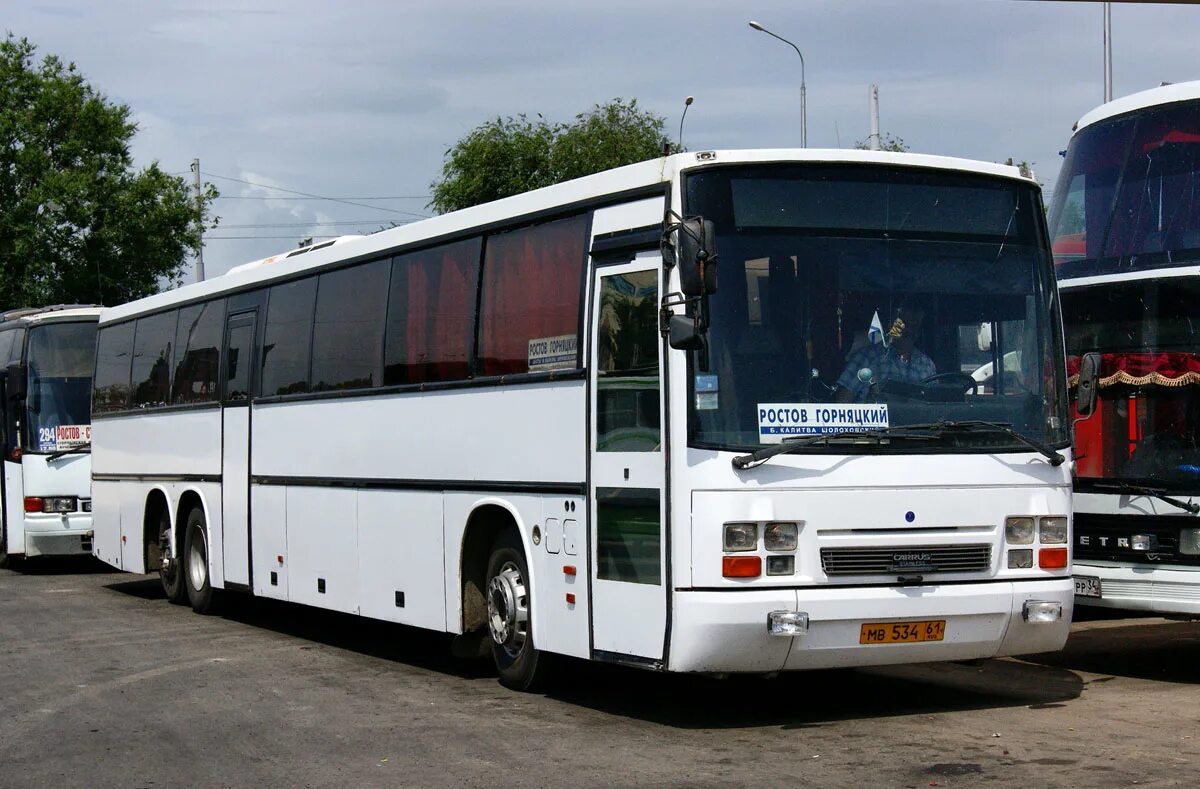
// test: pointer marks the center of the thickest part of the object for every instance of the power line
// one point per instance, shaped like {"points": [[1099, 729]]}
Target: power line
{"points": [[268, 197], [319, 197], [224, 226], [256, 238]]}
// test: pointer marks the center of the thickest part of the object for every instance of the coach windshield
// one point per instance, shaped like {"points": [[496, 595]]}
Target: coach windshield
{"points": [[58, 403], [854, 297]]}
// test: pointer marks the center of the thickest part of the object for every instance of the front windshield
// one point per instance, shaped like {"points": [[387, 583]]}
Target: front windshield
{"points": [[853, 297], [1128, 195], [1146, 427], [58, 404]]}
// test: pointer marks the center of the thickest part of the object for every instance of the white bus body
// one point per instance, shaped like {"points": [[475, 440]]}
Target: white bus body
{"points": [[495, 438], [1126, 228], [47, 356]]}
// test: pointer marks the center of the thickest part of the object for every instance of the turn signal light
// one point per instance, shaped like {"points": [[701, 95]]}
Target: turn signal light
{"points": [[741, 566], [33, 503], [1052, 558]]}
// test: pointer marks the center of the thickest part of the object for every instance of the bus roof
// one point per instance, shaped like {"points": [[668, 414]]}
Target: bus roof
{"points": [[1164, 94], [49, 314], [621, 180]]}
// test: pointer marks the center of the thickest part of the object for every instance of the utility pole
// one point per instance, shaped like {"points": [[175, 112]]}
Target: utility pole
{"points": [[873, 101], [199, 220], [1108, 74]]}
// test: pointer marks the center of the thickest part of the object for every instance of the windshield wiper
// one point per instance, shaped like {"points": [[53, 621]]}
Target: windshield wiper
{"points": [[1158, 493], [1055, 458], [760, 456], [72, 451]]}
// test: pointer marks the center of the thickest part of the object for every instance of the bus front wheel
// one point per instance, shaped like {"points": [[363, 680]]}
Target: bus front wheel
{"points": [[522, 666], [195, 564]]}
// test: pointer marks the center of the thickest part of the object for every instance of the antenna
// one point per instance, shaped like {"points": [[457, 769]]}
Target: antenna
{"points": [[686, 103]]}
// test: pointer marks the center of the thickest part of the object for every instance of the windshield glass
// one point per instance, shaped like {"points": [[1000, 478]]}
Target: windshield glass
{"points": [[853, 297], [58, 406], [1146, 427], [1128, 194]]}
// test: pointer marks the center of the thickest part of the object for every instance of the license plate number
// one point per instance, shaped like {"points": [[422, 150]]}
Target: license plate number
{"points": [[902, 632], [1087, 586]]}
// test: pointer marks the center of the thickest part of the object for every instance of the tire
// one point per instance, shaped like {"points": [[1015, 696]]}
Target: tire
{"points": [[170, 571], [195, 564], [521, 665]]}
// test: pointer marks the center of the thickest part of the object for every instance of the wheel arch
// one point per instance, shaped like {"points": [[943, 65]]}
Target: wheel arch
{"points": [[487, 520], [158, 502]]}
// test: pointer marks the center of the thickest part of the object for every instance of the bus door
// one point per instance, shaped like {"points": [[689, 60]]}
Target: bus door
{"points": [[240, 330], [12, 518], [628, 545]]}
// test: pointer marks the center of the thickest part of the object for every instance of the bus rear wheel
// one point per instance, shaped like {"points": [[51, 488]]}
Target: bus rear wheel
{"points": [[170, 571], [521, 665], [195, 564]]}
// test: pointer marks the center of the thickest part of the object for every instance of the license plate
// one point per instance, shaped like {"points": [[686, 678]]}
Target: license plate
{"points": [[902, 632], [1087, 586]]}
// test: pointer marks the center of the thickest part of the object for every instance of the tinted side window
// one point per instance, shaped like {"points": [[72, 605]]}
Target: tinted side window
{"points": [[286, 342], [197, 352], [6, 344], [114, 352], [431, 314], [348, 329], [18, 347], [152, 344], [529, 310]]}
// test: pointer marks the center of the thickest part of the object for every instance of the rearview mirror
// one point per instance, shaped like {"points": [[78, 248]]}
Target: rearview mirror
{"points": [[696, 256], [682, 334], [1089, 382]]}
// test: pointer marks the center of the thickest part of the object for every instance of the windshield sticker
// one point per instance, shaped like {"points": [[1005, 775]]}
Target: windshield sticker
{"points": [[777, 421], [553, 353], [707, 396], [52, 439]]}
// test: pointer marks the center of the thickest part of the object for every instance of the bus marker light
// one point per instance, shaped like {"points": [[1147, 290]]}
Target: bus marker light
{"points": [[1189, 541], [741, 566], [1040, 612], [1143, 542], [787, 623], [33, 504], [781, 565], [568, 569], [570, 599], [1052, 558], [279, 559]]}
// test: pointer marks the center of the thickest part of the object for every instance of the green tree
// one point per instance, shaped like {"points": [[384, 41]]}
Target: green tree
{"points": [[508, 156], [78, 223], [887, 142]]}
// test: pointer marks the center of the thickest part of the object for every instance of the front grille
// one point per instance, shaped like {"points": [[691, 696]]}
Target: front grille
{"points": [[1109, 537], [912, 559]]}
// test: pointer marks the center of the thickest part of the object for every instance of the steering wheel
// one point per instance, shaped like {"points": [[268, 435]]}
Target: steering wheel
{"points": [[965, 380]]}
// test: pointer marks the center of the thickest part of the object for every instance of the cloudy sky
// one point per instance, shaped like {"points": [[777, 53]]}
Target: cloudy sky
{"points": [[359, 99]]}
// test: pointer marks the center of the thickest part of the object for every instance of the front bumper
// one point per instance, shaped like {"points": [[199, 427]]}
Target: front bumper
{"points": [[1153, 589], [726, 631], [49, 534]]}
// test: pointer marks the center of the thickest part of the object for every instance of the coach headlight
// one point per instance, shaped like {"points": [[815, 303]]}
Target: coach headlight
{"points": [[1019, 530], [1189, 542]]}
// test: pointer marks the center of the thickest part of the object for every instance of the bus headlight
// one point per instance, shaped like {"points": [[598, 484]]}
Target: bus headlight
{"points": [[781, 536], [1053, 530], [1189, 542], [741, 536], [1018, 531]]}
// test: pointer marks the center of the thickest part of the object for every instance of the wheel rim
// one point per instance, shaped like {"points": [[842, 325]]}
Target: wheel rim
{"points": [[198, 559], [508, 609]]}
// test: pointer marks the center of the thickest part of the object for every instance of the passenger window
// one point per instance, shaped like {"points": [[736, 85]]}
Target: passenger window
{"points": [[152, 343], [348, 329], [627, 385], [197, 351], [431, 314], [628, 535], [6, 344], [288, 337], [529, 309], [114, 352]]}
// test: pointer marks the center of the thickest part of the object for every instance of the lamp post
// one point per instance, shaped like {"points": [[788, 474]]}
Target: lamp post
{"points": [[803, 87]]}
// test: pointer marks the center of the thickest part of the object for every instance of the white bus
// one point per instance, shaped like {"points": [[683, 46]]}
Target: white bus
{"points": [[535, 424], [1126, 227], [46, 359]]}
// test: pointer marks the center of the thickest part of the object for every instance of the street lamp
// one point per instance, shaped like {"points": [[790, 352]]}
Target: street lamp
{"points": [[803, 87]]}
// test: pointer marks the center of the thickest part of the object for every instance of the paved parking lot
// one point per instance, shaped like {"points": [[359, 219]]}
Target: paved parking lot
{"points": [[104, 683]]}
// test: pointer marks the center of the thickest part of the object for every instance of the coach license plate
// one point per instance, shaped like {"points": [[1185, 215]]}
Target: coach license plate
{"points": [[1087, 586], [902, 632]]}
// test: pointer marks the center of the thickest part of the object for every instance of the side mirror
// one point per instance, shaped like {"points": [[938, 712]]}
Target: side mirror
{"points": [[1089, 382], [682, 334], [696, 257], [16, 381]]}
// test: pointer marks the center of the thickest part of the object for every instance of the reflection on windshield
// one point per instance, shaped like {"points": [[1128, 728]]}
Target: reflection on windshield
{"points": [[934, 304], [1128, 196], [1146, 427], [61, 357]]}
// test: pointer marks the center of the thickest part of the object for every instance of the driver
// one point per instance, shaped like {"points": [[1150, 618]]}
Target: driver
{"points": [[900, 360]]}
